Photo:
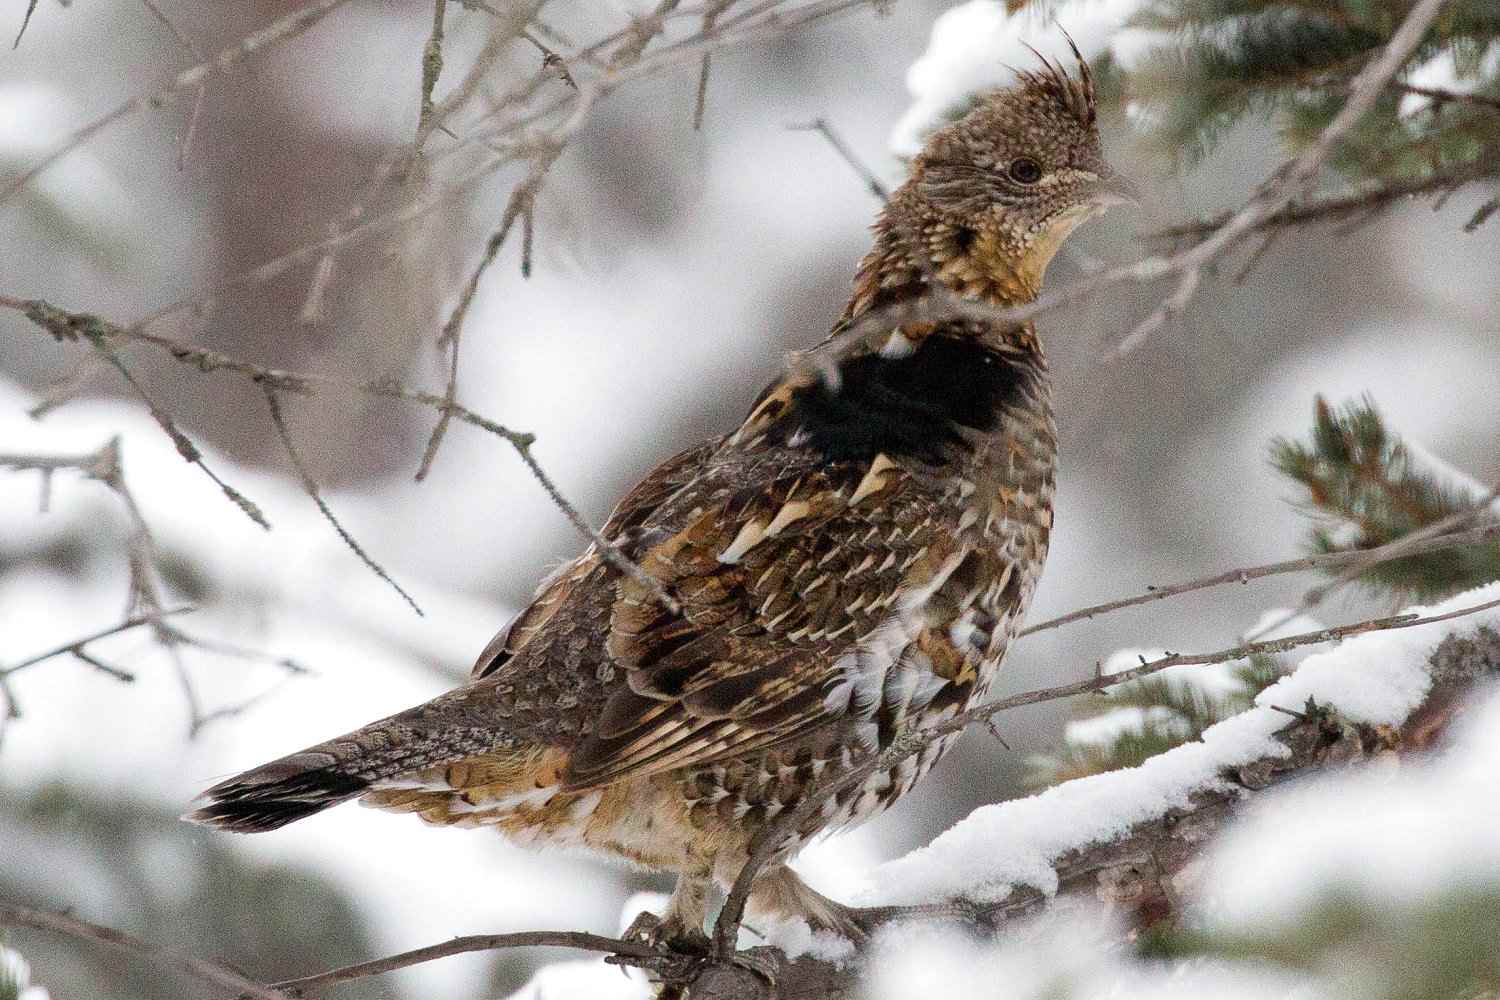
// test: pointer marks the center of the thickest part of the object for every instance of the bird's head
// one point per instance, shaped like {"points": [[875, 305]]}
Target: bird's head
{"points": [[1014, 176]]}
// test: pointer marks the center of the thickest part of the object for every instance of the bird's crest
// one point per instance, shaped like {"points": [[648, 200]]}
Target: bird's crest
{"points": [[1074, 95]]}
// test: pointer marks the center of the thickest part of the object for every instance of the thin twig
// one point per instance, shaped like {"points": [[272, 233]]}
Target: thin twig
{"points": [[642, 31], [700, 96], [1441, 96], [25, 20], [310, 485], [67, 326], [823, 127], [145, 604], [607, 551], [1334, 207], [123, 676], [551, 60], [471, 943], [1408, 544], [210, 972], [528, 146], [222, 62], [180, 440], [186, 42], [518, 207], [1365, 559], [77, 646], [432, 68], [1482, 215]]}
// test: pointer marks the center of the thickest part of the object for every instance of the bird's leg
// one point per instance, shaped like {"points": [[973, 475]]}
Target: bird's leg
{"points": [[680, 928], [779, 894]]}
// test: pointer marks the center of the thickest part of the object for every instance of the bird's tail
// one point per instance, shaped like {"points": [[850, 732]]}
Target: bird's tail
{"points": [[269, 797], [281, 792]]}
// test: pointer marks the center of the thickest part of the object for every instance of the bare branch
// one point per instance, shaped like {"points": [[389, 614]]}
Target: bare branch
{"points": [[222, 62], [823, 127], [210, 972], [1408, 544], [700, 97], [1365, 559], [145, 604], [1292, 180], [432, 68], [25, 21], [518, 207], [273, 401], [1440, 96], [551, 60], [471, 943], [1335, 207], [70, 327], [187, 43], [1482, 215], [77, 646], [181, 441]]}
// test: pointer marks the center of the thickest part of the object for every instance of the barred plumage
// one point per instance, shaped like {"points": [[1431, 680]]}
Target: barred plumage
{"points": [[851, 561]]}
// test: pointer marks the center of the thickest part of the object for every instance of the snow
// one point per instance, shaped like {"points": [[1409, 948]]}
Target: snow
{"points": [[1066, 952], [1106, 727], [1378, 836], [591, 977], [1441, 73], [1376, 678], [16, 971], [795, 939], [977, 46]]}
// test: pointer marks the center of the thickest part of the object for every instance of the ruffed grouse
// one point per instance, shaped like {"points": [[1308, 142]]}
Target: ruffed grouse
{"points": [[849, 563]]}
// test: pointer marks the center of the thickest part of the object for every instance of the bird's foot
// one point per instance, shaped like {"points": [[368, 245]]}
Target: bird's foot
{"points": [[669, 933]]}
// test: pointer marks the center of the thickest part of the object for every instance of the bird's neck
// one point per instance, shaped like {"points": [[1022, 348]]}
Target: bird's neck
{"points": [[914, 248]]}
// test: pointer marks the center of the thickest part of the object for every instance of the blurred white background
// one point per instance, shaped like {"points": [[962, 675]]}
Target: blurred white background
{"points": [[673, 270]]}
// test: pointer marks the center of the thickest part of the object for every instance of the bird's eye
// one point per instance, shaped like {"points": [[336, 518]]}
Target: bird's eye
{"points": [[1025, 171]]}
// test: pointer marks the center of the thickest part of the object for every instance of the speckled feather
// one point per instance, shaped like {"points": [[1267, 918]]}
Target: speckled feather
{"points": [[852, 561]]}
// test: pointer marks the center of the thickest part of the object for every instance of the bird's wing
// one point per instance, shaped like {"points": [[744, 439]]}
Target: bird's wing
{"points": [[789, 574], [639, 504]]}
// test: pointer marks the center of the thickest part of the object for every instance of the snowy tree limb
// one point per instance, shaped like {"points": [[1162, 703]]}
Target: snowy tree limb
{"points": [[1145, 871]]}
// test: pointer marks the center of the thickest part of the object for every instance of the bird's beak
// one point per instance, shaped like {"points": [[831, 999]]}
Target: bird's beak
{"points": [[1113, 189]]}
